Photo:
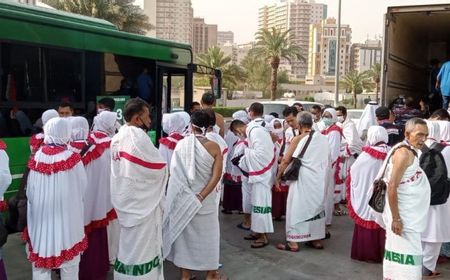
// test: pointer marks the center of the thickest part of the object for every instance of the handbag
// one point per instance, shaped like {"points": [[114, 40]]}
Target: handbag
{"points": [[378, 199], [17, 206], [293, 169]]}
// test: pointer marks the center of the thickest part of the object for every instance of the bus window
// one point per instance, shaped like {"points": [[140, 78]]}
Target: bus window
{"points": [[20, 73], [64, 75]]}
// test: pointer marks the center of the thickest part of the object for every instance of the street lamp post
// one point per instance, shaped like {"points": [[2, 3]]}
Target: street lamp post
{"points": [[338, 57]]}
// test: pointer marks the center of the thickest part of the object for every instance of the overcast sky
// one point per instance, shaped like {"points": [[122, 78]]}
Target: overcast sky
{"points": [[241, 16]]}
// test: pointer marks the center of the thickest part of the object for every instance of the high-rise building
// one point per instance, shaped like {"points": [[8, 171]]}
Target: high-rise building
{"points": [[204, 36], [225, 37], [323, 48], [295, 15], [172, 19], [364, 56]]}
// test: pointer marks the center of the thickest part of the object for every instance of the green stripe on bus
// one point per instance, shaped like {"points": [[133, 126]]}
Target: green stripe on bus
{"points": [[137, 269]]}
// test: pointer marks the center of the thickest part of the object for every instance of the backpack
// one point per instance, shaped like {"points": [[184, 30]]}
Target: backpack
{"points": [[433, 164]]}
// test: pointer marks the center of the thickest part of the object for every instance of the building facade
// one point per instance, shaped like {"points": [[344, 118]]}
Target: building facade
{"points": [[173, 19], [364, 56], [204, 36], [296, 15], [225, 37], [323, 48]]}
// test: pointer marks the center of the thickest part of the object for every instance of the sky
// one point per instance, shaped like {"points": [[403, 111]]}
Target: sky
{"points": [[241, 16]]}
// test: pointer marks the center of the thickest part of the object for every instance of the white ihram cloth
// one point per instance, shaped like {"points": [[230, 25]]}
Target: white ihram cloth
{"points": [[351, 144], [258, 160], [362, 175], [55, 190], [305, 215], [444, 128], [239, 149], [438, 228], [138, 181], [191, 229], [230, 170], [215, 137], [367, 119], [403, 254]]}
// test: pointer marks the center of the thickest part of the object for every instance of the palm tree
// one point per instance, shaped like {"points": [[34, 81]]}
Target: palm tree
{"points": [[274, 45], [356, 82], [375, 74], [122, 13], [216, 58]]}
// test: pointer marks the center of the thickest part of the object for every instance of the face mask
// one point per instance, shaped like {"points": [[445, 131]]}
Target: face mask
{"points": [[100, 110], [143, 126], [328, 122], [278, 132], [340, 119]]}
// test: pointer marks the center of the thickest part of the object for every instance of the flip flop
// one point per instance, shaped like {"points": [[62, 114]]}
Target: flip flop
{"points": [[251, 237], [314, 246], [242, 227], [432, 275], [287, 247], [259, 244]]}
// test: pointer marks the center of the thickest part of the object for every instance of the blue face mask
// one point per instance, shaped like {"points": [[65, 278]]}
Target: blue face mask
{"points": [[328, 122]]}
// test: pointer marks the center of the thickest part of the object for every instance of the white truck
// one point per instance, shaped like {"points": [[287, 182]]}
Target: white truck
{"points": [[413, 36]]}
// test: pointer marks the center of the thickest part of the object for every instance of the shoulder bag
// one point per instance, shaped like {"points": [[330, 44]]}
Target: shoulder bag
{"points": [[293, 169]]}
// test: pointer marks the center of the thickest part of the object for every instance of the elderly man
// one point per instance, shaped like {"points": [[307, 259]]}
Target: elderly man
{"points": [[305, 214], [56, 185], [407, 204], [191, 224], [138, 183]]}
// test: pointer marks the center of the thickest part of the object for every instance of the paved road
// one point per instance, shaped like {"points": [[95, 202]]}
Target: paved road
{"points": [[242, 263]]}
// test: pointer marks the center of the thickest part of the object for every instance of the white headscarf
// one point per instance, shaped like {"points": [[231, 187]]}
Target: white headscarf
{"points": [[277, 131], [57, 131], [80, 128], [445, 130], [49, 114], [174, 123], [368, 118], [333, 113], [241, 115], [377, 134], [105, 122], [268, 118], [434, 133]]}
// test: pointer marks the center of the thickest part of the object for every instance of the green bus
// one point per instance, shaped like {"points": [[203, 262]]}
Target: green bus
{"points": [[49, 56]]}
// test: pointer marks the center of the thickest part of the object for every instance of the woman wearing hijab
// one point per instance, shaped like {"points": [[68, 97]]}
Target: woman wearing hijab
{"points": [[334, 135], [368, 236], [279, 194], [57, 181], [367, 119], [173, 124], [80, 134]]}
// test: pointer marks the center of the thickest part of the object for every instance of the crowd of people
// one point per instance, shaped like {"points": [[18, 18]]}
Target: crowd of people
{"points": [[103, 194]]}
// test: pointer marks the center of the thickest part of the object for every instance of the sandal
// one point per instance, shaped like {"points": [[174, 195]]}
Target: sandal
{"points": [[241, 226], [432, 275], [259, 244], [287, 247], [339, 213], [314, 245], [251, 236]]}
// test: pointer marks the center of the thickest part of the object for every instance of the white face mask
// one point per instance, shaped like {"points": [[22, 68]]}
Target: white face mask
{"points": [[278, 132], [340, 119]]}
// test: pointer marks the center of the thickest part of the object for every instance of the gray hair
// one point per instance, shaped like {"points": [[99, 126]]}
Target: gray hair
{"points": [[305, 119], [411, 124]]}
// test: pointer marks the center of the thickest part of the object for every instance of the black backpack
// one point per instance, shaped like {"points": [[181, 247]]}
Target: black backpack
{"points": [[433, 164]]}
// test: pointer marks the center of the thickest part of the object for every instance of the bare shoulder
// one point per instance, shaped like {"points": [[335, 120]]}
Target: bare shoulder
{"points": [[219, 116], [403, 156], [212, 147]]}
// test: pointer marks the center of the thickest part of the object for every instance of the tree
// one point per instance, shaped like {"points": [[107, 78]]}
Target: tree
{"points": [[257, 73], [274, 45], [216, 58], [356, 82], [375, 74], [122, 13]]}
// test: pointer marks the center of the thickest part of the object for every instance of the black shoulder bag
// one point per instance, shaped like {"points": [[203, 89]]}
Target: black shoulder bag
{"points": [[293, 169], [378, 199]]}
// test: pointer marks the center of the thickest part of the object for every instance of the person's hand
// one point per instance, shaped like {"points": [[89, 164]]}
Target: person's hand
{"points": [[397, 227], [200, 197], [276, 186]]}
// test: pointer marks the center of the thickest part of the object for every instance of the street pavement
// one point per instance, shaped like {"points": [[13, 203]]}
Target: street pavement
{"points": [[240, 262]]}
